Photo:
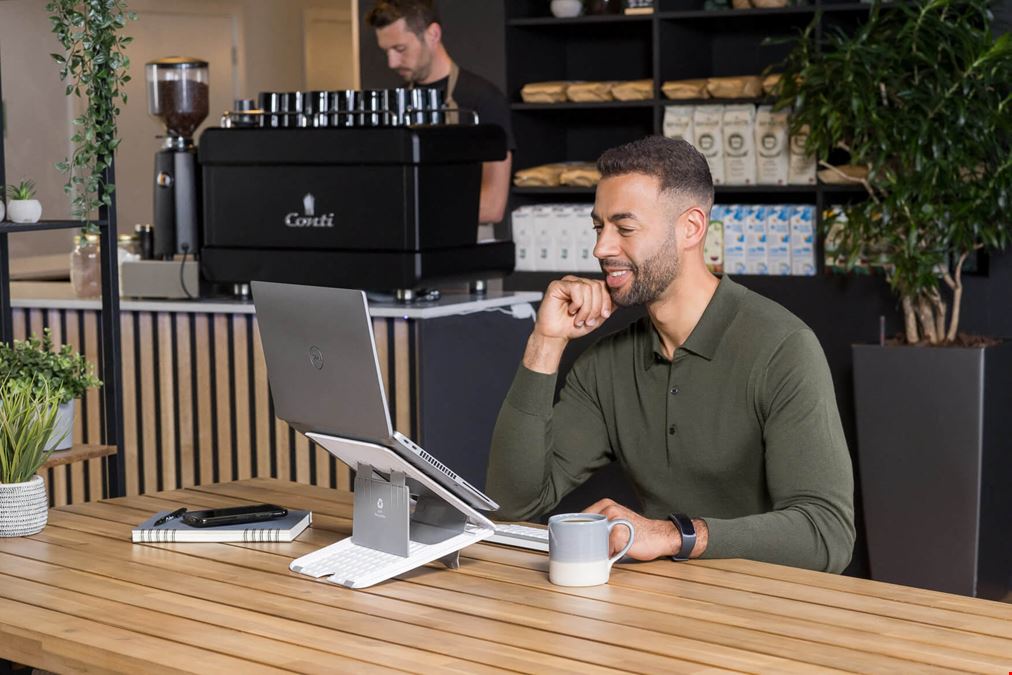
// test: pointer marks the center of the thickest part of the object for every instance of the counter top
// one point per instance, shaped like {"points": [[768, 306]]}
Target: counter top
{"points": [[60, 295]]}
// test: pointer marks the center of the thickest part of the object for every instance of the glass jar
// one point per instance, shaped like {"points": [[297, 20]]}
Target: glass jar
{"points": [[85, 266]]}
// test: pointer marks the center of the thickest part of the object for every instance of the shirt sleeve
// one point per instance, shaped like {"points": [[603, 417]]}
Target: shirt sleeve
{"points": [[808, 469], [541, 452]]}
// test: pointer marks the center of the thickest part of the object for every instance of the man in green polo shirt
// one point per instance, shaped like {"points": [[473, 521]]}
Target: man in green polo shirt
{"points": [[718, 405]]}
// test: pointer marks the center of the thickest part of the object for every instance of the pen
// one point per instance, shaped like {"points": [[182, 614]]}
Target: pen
{"points": [[169, 516]]}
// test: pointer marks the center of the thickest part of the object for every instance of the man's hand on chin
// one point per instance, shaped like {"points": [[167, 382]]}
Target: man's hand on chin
{"points": [[653, 539]]}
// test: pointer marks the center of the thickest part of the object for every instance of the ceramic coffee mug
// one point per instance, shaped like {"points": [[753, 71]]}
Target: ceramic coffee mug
{"points": [[578, 548]]}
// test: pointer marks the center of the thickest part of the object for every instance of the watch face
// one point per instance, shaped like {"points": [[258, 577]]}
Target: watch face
{"points": [[684, 523]]}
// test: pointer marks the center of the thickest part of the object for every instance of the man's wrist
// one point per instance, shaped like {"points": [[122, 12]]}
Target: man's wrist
{"points": [[543, 354], [700, 539]]}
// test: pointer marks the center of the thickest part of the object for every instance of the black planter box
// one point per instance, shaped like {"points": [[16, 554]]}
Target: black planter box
{"points": [[934, 428]]}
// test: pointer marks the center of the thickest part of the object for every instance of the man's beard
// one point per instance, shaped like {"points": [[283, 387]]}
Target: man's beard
{"points": [[651, 278]]}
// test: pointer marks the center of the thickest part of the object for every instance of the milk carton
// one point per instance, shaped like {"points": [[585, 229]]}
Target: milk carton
{"points": [[803, 240], [707, 121], [755, 240], [734, 239], [801, 170], [543, 258], [678, 122], [778, 239], [523, 237], [738, 132], [713, 248], [772, 151], [584, 238]]}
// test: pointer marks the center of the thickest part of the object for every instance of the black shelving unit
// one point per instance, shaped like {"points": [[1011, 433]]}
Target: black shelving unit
{"points": [[680, 40], [110, 367]]}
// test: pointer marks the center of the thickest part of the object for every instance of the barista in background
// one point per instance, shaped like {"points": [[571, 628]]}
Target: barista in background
{"points": [[410, 34]]}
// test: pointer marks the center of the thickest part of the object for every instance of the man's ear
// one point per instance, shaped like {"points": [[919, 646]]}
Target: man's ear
{"points": [[694, 223], [433, 34]]}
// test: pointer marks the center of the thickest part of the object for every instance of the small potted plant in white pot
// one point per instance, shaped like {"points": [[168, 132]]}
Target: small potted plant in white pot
{"points": [[22, 206], [64, 372], [27, 417]]}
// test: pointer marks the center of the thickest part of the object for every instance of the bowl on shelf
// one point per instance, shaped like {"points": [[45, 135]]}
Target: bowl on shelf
{"points": [[566, 9]]}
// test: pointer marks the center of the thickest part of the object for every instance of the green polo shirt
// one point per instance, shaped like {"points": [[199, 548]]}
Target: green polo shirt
{"points": [[740, 429]]}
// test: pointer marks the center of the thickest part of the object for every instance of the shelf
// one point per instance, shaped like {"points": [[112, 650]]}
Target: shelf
{"points": [[561, 190], [78, 453], [720, 14], [714, 101], [719, 189], [596, 19], [8, 227], [570, 105]]}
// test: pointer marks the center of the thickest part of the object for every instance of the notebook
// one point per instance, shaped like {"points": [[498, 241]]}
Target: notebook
{"points": [[175, 530]]}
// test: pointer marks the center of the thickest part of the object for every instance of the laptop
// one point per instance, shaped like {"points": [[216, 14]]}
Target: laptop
{"points": [[325, 376]]}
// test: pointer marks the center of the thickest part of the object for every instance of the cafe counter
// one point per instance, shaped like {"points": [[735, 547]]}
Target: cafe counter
{"points": [[196, 401]]}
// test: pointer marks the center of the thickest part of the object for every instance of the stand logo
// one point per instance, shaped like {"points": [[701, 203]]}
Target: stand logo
{"points": [[309, 217], [379, 509]]}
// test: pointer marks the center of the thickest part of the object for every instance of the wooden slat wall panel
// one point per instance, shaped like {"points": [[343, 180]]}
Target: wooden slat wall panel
{"points": [[196, 402]]}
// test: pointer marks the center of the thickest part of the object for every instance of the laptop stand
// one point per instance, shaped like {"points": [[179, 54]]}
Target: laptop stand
{"points": [[384, 519]]}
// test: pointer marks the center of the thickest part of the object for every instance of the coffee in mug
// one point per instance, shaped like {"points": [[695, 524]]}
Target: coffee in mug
{"points": [[578, 548]]}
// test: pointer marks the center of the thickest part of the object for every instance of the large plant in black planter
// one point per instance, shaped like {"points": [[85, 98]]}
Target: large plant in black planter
{"points": [[920, 95]]}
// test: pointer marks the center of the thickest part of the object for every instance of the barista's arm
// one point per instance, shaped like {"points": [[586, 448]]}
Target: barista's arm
{"points": [[495, 189]]}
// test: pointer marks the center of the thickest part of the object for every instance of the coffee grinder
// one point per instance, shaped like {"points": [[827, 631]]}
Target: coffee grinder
{"points": [[178, 96]]}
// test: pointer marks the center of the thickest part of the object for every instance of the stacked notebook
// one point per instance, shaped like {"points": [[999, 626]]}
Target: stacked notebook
{"points": [[175, 530]]}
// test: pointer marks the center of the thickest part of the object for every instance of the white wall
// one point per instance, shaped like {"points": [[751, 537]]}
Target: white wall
{"points": [[272, 57]]}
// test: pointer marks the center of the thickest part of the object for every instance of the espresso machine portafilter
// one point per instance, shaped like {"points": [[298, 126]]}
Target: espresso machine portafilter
{"points": [[178, 96]]}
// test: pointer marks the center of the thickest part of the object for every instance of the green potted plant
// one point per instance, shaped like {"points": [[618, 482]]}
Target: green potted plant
{"points": [[27, 418], [919, 94], [22, 206], [66, 374], [94, 66]]}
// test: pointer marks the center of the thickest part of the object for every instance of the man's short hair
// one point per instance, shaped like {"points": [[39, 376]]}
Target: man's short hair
{"points": [[417, 14], [680, 168]]}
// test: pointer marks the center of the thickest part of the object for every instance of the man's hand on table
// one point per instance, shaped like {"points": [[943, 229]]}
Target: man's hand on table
{"points": [[654, 538]]}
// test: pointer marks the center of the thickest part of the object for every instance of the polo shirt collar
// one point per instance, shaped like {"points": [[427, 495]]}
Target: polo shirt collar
{"points": [[712, 325]]}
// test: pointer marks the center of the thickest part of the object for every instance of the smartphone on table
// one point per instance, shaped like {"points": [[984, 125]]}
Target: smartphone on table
{"points": [[235, 515]]}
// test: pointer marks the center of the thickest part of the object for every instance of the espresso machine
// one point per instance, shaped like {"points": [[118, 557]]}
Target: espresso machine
{"points": [[178, 96]]}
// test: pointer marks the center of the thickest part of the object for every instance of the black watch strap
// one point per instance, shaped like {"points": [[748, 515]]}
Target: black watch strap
{"points": [[688, 530]]}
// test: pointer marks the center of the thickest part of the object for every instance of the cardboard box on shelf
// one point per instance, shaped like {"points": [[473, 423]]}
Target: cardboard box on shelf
{"points": [[543, 259], [713, 248], [523, 237], [734, 239], [803, 240], [561, 255], [778, 239], [738, 134], [772, 151], [678, 122], [584, 237], [801, 169], [756, 246], [707, 122]]}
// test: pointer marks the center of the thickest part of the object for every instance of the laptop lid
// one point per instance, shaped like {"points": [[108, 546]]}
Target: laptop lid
{"points": [[315, 341]]}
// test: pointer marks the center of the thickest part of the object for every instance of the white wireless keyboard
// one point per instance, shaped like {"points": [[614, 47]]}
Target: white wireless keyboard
{"points": [[522, 536], [356, 566]]}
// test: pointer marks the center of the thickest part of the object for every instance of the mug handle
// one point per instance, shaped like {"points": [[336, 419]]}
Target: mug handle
{"points": [[628, 545]]}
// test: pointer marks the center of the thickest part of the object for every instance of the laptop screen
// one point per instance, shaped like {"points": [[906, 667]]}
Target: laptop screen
{"points": [[321, 360]]}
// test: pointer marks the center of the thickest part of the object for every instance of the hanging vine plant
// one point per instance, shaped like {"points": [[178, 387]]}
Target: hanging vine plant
{"points": [[94, 66]]}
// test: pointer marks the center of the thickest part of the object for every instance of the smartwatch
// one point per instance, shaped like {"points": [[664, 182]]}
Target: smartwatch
{"points": [[688, 530]]}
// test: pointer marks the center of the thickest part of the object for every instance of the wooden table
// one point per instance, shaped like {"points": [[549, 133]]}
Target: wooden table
{"points": [[80, 596]]}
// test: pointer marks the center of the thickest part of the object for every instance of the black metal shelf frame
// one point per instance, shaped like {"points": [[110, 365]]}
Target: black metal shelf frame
{"points": [[111, 366]]}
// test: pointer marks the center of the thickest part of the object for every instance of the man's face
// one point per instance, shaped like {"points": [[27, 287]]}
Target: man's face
{"points": [[407, 53], [637, 241]]}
